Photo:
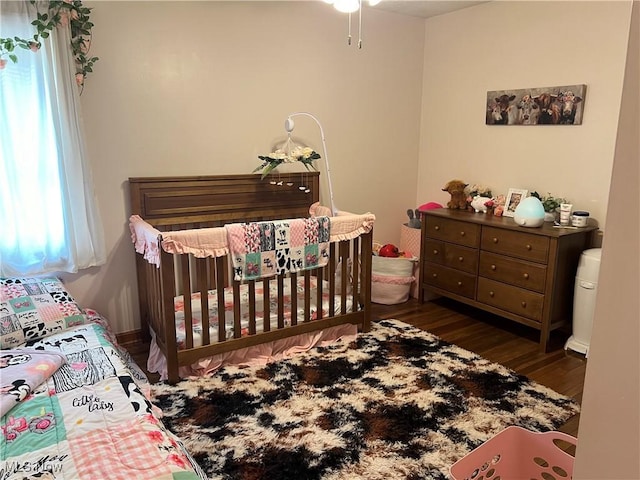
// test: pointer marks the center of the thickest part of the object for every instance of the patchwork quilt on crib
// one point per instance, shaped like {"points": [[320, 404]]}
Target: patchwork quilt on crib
{"points": [[90, 419], [266, 249]]}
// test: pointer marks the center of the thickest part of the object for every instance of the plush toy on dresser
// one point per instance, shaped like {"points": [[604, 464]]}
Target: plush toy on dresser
{"points": [[458, 197], [479, 204]]}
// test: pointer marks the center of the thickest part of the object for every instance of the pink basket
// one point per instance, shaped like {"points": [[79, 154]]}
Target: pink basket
{"points": [[516, 453]]}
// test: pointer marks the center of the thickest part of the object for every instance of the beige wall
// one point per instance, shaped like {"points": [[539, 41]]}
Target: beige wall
{"points": [[520, 44], [204, 87], [609, 440], [184, 88]]}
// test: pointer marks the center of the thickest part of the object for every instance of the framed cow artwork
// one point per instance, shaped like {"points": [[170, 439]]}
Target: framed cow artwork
{"points": [[536, 106]]}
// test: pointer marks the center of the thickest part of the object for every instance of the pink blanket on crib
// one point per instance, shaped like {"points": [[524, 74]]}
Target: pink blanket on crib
{"points": [[213, 242]]}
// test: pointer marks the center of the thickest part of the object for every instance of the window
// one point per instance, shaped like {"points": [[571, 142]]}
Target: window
{"points": [[48, 216]]}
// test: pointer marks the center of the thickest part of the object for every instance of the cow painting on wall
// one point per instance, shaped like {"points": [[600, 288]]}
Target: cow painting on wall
{"points": [[536, 106]]}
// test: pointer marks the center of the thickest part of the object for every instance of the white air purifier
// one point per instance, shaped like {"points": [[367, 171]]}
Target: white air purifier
{"points": [[584, 301]]}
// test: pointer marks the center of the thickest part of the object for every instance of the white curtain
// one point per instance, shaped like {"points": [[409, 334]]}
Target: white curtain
{"points": [[49, 219]]}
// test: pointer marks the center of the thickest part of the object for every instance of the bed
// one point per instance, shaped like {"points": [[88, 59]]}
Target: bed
{"points": [[73, 404], [184, 230]]}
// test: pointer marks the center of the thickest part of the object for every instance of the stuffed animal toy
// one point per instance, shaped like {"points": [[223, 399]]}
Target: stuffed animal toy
{"points": [[458, 198], [414, 222], [479, 204]]}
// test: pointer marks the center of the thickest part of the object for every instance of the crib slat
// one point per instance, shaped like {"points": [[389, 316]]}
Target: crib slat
{"points": [[220, 284], [294, 299], [355, 284], [266, 306], [332, 279], [237, 328], [186, 296], [280, 283], [201, 275], [211, 273], [252, 307], [320, 284], [366, 253], [307, 296], [344, 275]]}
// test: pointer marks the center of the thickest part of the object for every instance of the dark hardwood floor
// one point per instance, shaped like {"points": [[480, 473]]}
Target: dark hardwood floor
{"points": [[494, 338]]}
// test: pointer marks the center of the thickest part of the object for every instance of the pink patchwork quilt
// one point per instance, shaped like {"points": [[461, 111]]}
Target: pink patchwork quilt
{"points": [[266, 249], [89, 418]]}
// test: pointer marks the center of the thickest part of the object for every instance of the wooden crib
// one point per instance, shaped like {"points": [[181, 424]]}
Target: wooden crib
{"points": [[179, 203]]}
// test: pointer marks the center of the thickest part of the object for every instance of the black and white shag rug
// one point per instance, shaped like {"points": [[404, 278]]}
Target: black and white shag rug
{"points": [[398, 403]]}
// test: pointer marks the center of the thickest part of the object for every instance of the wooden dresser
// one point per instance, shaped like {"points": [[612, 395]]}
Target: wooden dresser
{"points": [[523, 274]]}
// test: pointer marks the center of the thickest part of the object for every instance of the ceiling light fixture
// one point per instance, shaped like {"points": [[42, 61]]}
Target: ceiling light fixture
{"points": [[347, 6], [351, 6]]}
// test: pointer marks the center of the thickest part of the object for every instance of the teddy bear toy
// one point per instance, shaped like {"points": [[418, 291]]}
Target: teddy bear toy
{"points": [[478, 204], [458, 198]]}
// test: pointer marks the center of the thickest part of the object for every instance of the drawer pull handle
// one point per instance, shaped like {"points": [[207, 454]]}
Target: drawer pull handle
{"points": [[526, 276], [493, 267], [462, 234], [528, 247], [524, 304], [435, 252], [459, 284], [461, 259], [437, 227], [491, 294], [435, 275], [495, 240]]}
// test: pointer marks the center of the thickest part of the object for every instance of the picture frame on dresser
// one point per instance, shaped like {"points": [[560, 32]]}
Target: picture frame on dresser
{"points": [[514, 197]]}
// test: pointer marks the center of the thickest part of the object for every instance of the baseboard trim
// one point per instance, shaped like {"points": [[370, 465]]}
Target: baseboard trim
{"points": [[130, 338]]}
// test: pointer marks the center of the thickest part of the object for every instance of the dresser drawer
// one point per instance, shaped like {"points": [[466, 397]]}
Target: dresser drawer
{"points": [[451, 255], [512, 299], [520, 273], [515, 244], [454, 281], [462, 233]]}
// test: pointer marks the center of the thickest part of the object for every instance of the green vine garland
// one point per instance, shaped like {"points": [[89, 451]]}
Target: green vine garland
{"points": [[60, 13]]}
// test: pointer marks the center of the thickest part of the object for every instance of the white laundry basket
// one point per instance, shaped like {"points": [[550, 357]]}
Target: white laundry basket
{"points": [[391, 279]]}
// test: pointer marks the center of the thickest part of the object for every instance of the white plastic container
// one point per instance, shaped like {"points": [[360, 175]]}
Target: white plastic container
{"points": [[584, 300], [580, 218]]}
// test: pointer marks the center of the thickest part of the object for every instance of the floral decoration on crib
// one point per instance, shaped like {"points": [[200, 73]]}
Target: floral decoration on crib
{"points": [[304, 155]]}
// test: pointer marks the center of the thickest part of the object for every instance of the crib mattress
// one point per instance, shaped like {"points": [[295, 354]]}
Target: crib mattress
{"points": [[244, 309]]}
